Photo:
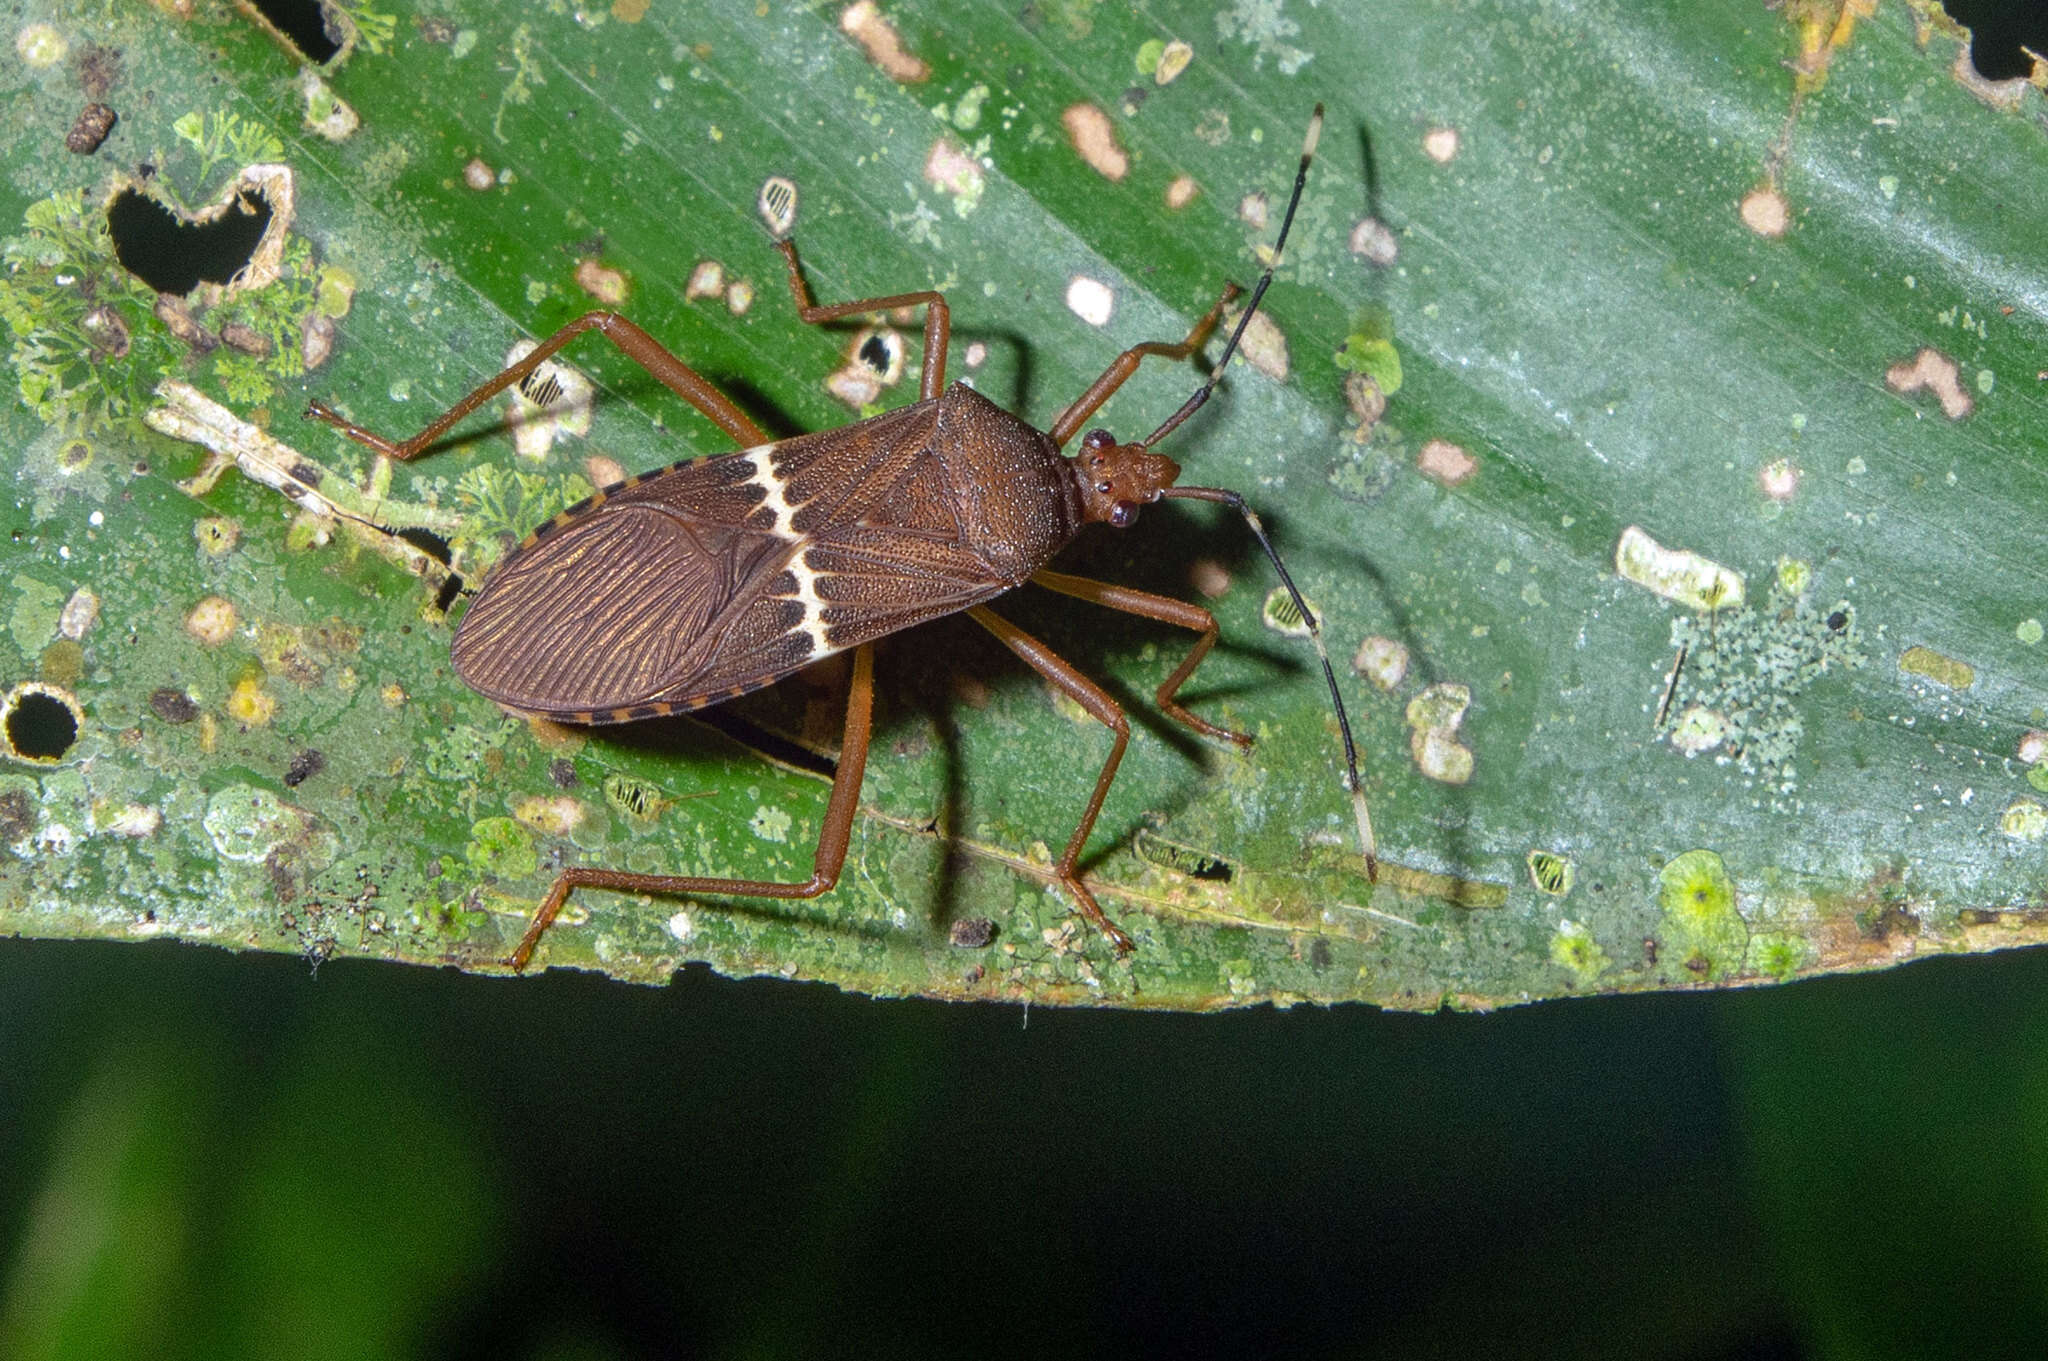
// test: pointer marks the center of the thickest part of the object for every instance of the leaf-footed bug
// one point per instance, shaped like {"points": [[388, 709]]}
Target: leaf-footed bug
{"points": [[678, 589]]}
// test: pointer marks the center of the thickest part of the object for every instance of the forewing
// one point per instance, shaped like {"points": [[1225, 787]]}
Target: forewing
{"points": [[717, 576], [609, 611]]}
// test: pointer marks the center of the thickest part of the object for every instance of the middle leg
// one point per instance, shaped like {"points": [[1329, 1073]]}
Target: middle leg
{"points": [[1166, 610], [1103, 710]]}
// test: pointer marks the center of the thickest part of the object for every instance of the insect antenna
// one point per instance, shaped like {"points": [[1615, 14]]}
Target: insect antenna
{"points": [[1194, 403], [1352, 784]]}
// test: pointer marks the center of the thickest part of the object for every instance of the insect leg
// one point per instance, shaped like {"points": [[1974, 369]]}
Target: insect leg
{"points": [[833, 837], [1126, 364], [1167, 611], [1104, 710], [642, 348], [938, 321]]}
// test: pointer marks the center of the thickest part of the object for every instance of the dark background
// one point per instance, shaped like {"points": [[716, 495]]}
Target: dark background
{"points": [[219, 1155]]}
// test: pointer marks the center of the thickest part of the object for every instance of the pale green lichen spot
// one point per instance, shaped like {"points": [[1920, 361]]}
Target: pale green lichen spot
{"points": [[1573, 947], [771, 824], [1702, 928], [2024, 820], [1942, 670], [502, 848]]}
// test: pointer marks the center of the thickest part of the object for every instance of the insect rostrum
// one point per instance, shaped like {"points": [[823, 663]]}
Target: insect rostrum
{"points": [[680, 588]]}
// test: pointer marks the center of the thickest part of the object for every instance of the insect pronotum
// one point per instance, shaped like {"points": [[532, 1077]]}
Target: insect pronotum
{"points": [[680, 588]]}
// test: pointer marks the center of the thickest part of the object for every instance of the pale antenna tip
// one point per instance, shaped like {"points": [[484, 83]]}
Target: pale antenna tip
{"points": [[1315, 132], [1367, 842]]}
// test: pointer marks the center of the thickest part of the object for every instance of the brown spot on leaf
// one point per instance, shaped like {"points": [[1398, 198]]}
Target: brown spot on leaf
{"points": [[1931, 370], [1445, 462], [1765, 212], [865, 23], [1094, 140], [602, 282]]}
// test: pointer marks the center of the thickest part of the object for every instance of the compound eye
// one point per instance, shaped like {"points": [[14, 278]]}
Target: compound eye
{"points": [[1123, 514], [1097, 439]]}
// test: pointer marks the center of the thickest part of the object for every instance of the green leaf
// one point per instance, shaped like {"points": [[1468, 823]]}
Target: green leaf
{"points": [[1699, 542]]}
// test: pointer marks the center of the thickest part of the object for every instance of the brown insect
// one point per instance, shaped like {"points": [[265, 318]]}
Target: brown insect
{"points": [[684, 587]]}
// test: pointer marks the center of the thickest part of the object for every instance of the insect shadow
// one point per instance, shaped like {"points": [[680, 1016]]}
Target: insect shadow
{"points": [[737, 734], [1399, 625]]}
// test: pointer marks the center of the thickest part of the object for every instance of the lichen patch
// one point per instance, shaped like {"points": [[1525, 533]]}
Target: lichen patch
{"points": [[39, 46], [949, 169], [1702, 925], [1381, 660], [1374, 242], [771, 824], [707, 280], [1942, 670], [550, 816], [327, 114], [1932, 371], [2024, 820], [1573, 948], [1264, 345], [1173, 59], [856, 385], [1433, 719], [1440, 145], [1778, 479], [1699, 729], [1734, 690], [865, 23], [1181, 192], [1210, 577], [130, 820], [1094, 140], [79, 613], [211, 621], [250, 704], [1677, 574]]}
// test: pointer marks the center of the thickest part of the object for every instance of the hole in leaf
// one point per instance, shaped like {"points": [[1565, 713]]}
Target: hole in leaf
{"points": [[174, 255], [39, 726], [1998, 30], [305, 25]]}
